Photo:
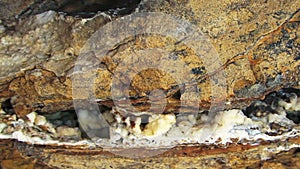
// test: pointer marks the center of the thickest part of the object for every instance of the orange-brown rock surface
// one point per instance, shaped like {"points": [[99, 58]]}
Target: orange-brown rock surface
{"points": [[257, 44], [20, 155]]}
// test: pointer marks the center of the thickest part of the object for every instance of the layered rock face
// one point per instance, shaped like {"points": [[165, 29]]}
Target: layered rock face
{"points": [[256, 46], [140, 62]]}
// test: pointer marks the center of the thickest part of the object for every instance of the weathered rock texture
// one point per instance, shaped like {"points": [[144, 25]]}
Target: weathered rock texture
{"points": [[257, 43], [21, 155]]}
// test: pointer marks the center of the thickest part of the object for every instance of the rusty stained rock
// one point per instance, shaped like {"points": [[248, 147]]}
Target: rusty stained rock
{"points": [[257, 43], [36, 59], [266, 155]]}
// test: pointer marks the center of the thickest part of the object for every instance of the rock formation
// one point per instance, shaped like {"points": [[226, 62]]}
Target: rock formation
{"points": [[249, 50]]}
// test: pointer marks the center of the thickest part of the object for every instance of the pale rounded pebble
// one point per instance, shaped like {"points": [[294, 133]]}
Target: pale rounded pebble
{"points": [[64, 131], [40, 120]]}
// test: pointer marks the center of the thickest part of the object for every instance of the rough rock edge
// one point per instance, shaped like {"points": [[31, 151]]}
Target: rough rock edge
{"points": [[265, 155]]}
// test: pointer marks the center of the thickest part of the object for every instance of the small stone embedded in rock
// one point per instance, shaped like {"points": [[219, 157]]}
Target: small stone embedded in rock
{"points": [[48, 127], [290, 102], [31, 118], [137, 127], [159, 125], [40, 120], [45, 17], [65, 132]]}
